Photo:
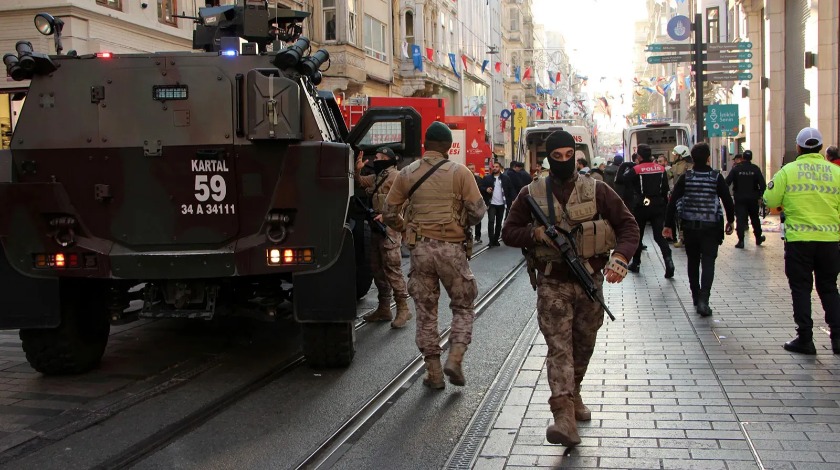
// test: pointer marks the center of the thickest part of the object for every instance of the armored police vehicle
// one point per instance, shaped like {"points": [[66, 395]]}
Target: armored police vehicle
{"points": [[532, 142], [218, 181]]}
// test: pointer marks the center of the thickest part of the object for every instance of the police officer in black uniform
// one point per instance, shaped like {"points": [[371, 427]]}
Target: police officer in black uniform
{"points": [[701, 189], [649, 181], [748, 187]]}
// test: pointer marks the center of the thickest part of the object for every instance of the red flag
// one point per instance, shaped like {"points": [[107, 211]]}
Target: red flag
{"points": [[559, 76], [464, 60], [430, 53], [498, 67], [527, 73]]}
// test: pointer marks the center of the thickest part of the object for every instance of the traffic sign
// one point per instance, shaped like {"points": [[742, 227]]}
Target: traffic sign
{"points": [[720, 66], [679, 28], [719, 77], [722, 120]]}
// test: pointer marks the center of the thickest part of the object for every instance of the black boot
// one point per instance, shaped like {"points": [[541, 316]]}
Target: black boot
{"points": [[669, 267], [694, 297], [740, 243], [759, 240], [703, 304], [634, 266], [835, 345], [802, 345]]}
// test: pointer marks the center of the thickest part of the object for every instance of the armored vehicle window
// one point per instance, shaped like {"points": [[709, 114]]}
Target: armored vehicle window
{"points": [[382, 133]]}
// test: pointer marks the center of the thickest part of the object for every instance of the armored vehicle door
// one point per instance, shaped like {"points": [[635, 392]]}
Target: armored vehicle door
{"points": [[396, 128]]}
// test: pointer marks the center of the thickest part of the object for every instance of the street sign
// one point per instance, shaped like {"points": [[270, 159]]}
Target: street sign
{"points": [[713, 47], [669, 47], [722, 120], [719, 66], [668, 59], [719, 77], [728, 46], [679, 28]]}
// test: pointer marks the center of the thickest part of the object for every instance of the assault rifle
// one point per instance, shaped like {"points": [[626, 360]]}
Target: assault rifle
{"points": [[565, 244], [370, 215]]}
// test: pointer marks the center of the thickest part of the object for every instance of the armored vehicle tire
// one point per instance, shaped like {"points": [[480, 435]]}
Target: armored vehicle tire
{"points": [[77, 344], [329, 345], [364, 276]]}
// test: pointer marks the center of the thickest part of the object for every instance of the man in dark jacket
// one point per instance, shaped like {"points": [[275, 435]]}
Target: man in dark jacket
{"points": [[498, 195], [701, 190], [650, 197], [519, 178], [748, 186], [611, 170], [624, 181]]}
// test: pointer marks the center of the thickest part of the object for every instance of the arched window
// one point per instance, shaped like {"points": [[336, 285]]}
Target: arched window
{"points": [[409, 27]]}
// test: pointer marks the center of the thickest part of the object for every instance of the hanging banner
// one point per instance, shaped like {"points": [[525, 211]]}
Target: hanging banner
{"points": [[430, 54], [520, 121], [417, 56], [454, 66], [498, 67], [484, 65]]}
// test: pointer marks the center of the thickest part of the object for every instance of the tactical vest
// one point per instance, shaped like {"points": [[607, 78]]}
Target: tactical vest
{"points": [[434, 204], [701, 203], [377, 199], [592, 237]]}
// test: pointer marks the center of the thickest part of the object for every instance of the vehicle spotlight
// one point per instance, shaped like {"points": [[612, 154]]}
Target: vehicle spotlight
{"points": [[49, 25], [24, 50], [13, 67], [311, 64], [291, 56]]}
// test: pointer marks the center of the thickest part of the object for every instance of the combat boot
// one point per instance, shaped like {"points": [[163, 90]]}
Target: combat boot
{"points": [[382, 312], [634, 266], [564, 430], [703, 304], [452, 369], [582, 413], [434, 374], [669, 267], [835, 345], [759, 240], [740, 243], [403, 313]]}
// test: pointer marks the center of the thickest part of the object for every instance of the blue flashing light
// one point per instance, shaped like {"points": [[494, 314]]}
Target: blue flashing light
{"points": [[229, 53]]}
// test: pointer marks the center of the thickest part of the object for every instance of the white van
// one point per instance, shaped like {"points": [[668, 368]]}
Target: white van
{"points": [[531, 148], [662, 137]]}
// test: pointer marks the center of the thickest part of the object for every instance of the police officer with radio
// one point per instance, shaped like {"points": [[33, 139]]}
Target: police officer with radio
{"points": [[649, 181], [701, 191], [748, 185]]}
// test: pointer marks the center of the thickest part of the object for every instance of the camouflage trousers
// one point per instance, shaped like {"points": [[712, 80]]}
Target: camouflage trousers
{"points": [[569, 321], [386, 265], [434, 263]]}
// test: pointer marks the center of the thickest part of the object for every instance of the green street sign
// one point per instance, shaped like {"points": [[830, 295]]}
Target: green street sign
{"points": [[720, 77], [669, 59], [719, 66], [686, 47], [669, 47], [722, 120]]}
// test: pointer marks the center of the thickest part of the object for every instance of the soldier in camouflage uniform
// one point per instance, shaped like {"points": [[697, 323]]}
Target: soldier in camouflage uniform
{"points": [[385, 258], [443, 203], [568, 319]]}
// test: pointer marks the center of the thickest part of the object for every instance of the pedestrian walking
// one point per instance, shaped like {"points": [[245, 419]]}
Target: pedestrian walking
{"points": [[480, 183], [385, 256], [808, 189], [748, 185], [443, 202], [650, 189], [568, 319], [498, 193], [700, 192], [612, 169]]}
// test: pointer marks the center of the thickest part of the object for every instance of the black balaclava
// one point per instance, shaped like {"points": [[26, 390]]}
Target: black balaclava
{"points": [[380, 165], [560, 170]]}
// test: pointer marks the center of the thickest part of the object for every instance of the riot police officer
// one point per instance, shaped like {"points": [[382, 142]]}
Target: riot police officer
{"points": [[748, 185]]}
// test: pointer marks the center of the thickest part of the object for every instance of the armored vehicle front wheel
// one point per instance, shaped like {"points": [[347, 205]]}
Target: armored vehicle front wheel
{"points": [[78, 343], [329, 345]]}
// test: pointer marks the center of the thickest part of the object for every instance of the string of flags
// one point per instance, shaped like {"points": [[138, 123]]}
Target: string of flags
{"points": [[419, 55]]}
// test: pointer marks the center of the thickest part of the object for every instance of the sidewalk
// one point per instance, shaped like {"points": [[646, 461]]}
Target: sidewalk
{"points": [[670, 389]]}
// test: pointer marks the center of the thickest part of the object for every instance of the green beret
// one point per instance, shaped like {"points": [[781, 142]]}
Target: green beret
{"points": [[438, 132]]}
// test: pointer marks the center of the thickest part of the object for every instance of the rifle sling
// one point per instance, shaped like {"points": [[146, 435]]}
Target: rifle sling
{"points": [[425, 177]]}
